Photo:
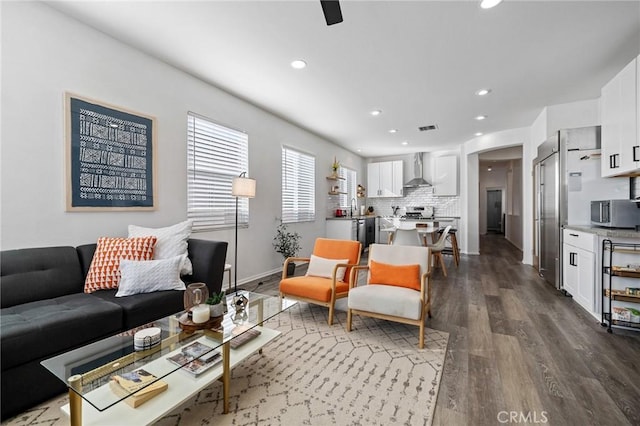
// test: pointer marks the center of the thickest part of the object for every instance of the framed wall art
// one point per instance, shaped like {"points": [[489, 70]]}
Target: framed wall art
{"points": [[109, 157]]}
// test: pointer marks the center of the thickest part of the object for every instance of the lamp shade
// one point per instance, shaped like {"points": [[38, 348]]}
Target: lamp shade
{"points": [[243, 187]]}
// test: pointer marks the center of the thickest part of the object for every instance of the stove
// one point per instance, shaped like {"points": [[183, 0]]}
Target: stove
{"points": [[412, 215], [417, 213]]}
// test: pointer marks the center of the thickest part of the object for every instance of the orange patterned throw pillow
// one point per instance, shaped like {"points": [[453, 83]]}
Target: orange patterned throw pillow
{"points": [[104, 272], [398, 275]]}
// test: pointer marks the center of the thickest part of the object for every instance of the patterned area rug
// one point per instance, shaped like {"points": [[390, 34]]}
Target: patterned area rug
{"points": [[315, 374]]}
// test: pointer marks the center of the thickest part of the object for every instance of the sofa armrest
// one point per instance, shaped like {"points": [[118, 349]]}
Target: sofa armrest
{"points": [[207, 258]]}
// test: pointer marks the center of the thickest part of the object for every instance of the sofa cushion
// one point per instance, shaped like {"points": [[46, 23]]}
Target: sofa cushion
{"points": [[38, 273], [148, 276], [139, 309], [172, 241], [104, 272], [47, 327]]}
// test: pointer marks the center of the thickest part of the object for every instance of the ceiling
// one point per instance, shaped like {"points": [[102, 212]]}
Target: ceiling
{"points": [[419, 62]]}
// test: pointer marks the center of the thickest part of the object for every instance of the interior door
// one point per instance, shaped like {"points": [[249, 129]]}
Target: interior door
{"points": [[494, 210]]}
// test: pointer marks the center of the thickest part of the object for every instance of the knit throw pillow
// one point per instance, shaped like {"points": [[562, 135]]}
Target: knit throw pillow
{"points": [[104, 272]]}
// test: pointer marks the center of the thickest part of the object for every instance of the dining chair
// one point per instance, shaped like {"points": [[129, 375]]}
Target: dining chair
{"points": [[398, 286], [406, 237], [436, 250], [328, 273]]}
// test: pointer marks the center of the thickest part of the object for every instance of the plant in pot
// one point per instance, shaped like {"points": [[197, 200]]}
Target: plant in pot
{"points": [[287, 244], [215, 304]]}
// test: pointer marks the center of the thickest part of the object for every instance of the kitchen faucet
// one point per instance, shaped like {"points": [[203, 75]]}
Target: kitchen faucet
{"points": [[353, 200]]}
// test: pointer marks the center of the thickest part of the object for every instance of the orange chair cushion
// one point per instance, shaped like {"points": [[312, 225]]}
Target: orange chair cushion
{"points": [[338, 249], [314, 288], [396, 275]]}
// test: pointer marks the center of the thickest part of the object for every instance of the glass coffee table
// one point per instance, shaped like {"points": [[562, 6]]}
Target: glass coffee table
{"points": [[88, 370]]}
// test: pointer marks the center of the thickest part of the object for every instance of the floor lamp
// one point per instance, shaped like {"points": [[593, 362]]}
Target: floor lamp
{"points": [[244, 187]]}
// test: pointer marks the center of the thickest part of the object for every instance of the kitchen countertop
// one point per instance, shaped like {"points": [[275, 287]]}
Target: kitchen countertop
{"points": [[606, 232], [369, 216], [352, 217]]}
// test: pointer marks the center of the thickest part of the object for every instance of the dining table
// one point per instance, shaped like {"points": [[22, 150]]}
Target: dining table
{"points": [[426, 229]]}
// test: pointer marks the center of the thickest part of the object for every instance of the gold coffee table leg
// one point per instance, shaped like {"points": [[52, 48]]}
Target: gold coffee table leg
{"points": [[75, 400], [226, 376]]}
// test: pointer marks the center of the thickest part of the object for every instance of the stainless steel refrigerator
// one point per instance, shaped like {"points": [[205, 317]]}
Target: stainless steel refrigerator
{"points": [[567, 178]]}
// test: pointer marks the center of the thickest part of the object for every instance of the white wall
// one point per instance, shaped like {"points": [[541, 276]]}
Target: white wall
{"points": [[44, 54]]}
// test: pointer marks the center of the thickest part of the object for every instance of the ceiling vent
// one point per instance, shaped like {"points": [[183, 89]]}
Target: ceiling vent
{"points": [[429, 127]]}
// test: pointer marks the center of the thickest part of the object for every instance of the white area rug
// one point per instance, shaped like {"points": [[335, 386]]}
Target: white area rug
{"points": [[315, 374]]}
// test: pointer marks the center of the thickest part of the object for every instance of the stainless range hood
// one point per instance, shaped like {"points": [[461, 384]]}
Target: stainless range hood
{"points": [[417, 180]]}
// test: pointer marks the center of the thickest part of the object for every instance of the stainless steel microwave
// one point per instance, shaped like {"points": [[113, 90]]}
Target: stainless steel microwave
{"points": [[615, 213]]}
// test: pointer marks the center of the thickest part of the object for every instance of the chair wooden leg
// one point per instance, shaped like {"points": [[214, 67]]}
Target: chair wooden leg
{"points": [[444, 268], [455, 249], [441, 261], [421, 341], [349, 315], [330, 320]]}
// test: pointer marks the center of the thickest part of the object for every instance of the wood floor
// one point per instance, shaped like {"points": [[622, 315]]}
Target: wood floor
{"points": [[522, 353]]}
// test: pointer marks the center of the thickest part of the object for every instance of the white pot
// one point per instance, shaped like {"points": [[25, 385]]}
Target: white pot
{"points": [[217, 310]]}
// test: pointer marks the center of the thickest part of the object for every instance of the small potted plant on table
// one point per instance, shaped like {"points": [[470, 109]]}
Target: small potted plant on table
{"points": [[215, 304], [288, 245]]}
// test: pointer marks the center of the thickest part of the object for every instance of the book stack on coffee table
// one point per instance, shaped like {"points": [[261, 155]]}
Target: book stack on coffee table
{"points": [[137, 387]]}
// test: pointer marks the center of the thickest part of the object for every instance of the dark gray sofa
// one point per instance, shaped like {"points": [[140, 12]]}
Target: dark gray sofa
{"points": [[44, 312]]}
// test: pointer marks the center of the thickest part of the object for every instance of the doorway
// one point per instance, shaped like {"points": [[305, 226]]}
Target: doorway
{"points": [[494, 211]]}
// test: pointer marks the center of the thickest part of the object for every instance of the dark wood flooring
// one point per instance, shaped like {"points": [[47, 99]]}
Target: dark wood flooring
{"points": [[521, 352]]}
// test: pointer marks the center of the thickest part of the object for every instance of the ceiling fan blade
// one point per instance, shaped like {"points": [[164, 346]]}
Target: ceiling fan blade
{"points": [[332, 12]]}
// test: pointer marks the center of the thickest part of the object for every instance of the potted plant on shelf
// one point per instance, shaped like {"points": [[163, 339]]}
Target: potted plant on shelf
{"points": [[287, 244], [334, 168], [215, 304]]}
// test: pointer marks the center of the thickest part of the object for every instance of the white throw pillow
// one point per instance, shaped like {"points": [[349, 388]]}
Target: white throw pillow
{"points": [[321, 267], [147, 276], [172, 241]]}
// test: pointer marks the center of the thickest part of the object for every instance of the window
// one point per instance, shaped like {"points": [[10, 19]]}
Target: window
{"points": [[298, 186], [215, 155], [348, 186]]}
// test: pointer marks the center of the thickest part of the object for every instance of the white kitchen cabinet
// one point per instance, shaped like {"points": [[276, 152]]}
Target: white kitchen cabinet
{"points": [[340, 229], [620, 106], [384, 179], [579, 267], [445, 175]]}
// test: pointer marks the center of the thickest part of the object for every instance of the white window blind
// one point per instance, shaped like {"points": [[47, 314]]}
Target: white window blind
{"points": [[348, 187], [215, 155], [298, 186]]}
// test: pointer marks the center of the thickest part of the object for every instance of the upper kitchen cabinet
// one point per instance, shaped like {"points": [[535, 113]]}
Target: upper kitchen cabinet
{"points": [[620, 106], [445, 175], [384, 179]]}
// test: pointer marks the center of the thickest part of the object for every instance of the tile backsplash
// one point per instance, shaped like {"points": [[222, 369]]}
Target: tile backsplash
{"points": [[442, 206]]}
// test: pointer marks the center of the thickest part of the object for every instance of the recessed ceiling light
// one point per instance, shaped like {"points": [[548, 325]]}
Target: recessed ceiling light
{"points": [[481, 117], [359, 150], [298, 64], [405, 143], [479, 134], [488, 4], [489, 169], [483, 92], [376, 112], [393, 131]]}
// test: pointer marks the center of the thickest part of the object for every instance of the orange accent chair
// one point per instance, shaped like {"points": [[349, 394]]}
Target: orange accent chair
{"points": [[323, 287]]}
